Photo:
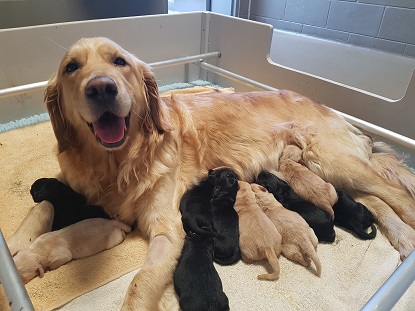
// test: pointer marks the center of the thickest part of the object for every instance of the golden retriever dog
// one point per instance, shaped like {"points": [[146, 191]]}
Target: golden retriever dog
{"points": [[310, 186], [259, 239], [54, 249], [299, 241], [135, 154]]}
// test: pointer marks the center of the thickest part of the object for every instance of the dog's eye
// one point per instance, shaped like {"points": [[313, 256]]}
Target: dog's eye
{"points": [[119, 61], [71, 67]]}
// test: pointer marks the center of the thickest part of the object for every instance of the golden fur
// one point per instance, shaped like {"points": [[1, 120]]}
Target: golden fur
{"points": [[308, 185], [53, 249], [259, 239], [299, 242], [172, 142]]}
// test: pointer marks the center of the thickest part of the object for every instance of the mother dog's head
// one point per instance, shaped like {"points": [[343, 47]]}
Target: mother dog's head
{"points": [[100, 94]]}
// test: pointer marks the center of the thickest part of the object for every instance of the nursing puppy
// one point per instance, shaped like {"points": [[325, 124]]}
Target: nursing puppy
{"points": [[298, 240], [69, 206], [319, 220], [308, 185], [259, 239], [225, 218], [354, 216], [54, 249], [197, 213], [196, 280]]}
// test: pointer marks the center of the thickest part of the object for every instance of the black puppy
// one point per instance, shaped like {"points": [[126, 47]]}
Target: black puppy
{"points": [[225, 218], [353, 216], [319, 220], [70, 207], [196, 281], [197, 213]]}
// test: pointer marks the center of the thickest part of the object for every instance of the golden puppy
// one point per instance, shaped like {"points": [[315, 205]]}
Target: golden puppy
{"points": [[258, 237], [305, 183], [135, 154], [53, 249], [299, 242]]}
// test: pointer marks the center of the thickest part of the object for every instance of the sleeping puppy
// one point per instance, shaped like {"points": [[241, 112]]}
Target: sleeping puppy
{"points": [[308, 185], [259, 239], [319, 220], [197, 214], [298, 240], [353, 216], [196, 281], [225, 218], [69, 206], [54, 249]]}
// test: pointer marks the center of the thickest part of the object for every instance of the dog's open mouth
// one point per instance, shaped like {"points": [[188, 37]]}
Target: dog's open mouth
{"points": [[110, 129]]}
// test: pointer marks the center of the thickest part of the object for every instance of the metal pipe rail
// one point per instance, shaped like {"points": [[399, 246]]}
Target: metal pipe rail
{"points": [[12, 283], [366, 126], [395, 286], [32, 87]]}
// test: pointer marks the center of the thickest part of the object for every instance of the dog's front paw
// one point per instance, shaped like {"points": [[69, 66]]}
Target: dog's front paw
{"points": [[405, 242]]}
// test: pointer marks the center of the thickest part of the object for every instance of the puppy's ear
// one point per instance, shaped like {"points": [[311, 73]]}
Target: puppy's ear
{"points": [[63, 130], [158, 115]]}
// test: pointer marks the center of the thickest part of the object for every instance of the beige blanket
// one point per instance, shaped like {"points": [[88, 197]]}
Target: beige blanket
{"points": [[352, 269]]}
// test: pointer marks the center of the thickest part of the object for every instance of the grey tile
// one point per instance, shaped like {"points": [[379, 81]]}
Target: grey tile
{"points": [[284, 25], [378, 44], [398, 3], [268, 8], [398, 25], [307, 12], [357, 18], [410, 50], [326, 33]]}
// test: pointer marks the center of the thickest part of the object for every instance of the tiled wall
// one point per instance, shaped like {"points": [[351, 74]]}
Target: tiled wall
{"points": [[387, 25]]}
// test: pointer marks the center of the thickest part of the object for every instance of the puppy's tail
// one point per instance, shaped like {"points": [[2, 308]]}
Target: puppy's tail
{"points": [[275, 265], [391, 166]]}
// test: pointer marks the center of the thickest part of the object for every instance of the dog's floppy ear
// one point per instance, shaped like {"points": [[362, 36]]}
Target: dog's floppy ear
{"points": [[157, 116], [64, 132]]}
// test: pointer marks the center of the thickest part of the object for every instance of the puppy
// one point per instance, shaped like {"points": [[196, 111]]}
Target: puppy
{"points": [[307, 184], [354, 216], [298, 240], [258, 238], [197, 213], [319, 220], [53, 249], [196, 281], [69, 206], [225, 218]]}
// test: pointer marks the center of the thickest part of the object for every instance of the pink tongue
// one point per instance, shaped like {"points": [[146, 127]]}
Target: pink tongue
{"points": [[110, 128]]}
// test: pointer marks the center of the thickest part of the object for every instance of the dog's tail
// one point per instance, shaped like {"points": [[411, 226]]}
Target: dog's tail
{"points": [[275, 265], [390, 165]]}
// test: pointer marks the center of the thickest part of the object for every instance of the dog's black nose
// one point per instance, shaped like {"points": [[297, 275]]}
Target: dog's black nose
{"points": [[101, 87]]}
